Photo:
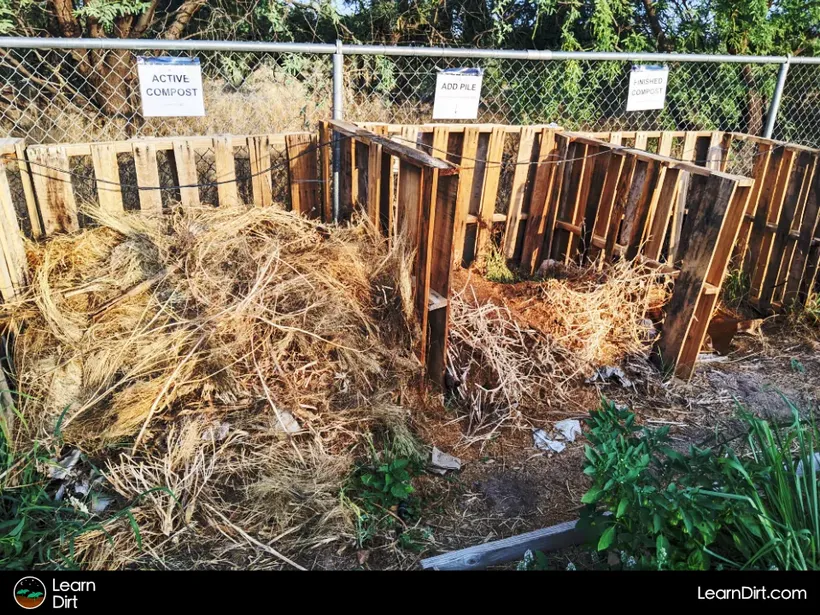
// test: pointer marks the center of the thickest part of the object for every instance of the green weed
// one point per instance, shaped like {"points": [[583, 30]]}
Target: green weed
{"points": [[736, 288], [669, 510], [496, 269]]}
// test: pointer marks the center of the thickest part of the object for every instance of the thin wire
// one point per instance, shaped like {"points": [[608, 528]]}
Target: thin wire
{"points": [[614, 147], [273, 166], [340, 138]]}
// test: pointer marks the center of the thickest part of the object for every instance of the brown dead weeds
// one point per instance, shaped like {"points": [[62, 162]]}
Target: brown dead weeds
{"points": [[234, 356]]}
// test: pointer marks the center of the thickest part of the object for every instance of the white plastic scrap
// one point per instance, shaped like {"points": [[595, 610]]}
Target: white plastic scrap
{"points": [[569, 429], [287, 423], [606, 373], [544, 443], [61, 469], [441, 462], [815, 465]]}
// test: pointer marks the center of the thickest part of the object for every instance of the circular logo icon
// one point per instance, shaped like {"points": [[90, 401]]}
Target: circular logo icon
{"points": [[30, 592]]}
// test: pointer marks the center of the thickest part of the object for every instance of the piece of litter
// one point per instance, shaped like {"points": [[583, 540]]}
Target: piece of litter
{"points": [[815, 465], [285, 422], [99, 504], [708, 357], [544, 443], [546, 266], [610, 372], [61, 469], [569, 429], [441, 462], [216, 432]]}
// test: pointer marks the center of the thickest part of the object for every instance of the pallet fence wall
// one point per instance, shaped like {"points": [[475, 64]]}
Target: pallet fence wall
{"points": [[459, 191]]}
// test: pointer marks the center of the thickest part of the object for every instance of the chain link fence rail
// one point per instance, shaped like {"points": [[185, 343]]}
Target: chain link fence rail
{"points": [[76, 90]]}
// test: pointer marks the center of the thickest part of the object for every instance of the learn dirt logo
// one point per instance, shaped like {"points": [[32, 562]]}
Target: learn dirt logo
{"points": [[30, 592]]}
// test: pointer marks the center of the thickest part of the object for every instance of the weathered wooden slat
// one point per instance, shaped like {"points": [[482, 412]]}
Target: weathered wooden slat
{"points": [[424, 255], [225, 170], [28, 189], [107, 176], [52, 186], [679, 210], [593, 202], [145, 163], [507, 549], [14, 265], [545, 174], [185, 161], [325, 158], [469, 152], [662, 217], [441, 250], [644, 178], [303, 174], [260, 163], [409, 201], [523, 168], [492, 176], [621, 197], [607, 202], [572, 187]]}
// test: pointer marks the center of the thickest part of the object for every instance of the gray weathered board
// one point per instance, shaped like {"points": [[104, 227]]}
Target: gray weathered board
{"points": [[508, 549]]}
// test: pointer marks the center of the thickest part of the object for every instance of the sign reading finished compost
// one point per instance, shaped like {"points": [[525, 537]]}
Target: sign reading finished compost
{"points": [[458, 91], [171, 87], [647, 88]]}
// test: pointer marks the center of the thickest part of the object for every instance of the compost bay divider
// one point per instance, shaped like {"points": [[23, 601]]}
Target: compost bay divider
{"points": [[531, 192]]}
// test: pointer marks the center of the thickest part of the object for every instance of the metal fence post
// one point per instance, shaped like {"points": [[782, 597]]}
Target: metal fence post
{"points": [[338, 114], [778, 94]]}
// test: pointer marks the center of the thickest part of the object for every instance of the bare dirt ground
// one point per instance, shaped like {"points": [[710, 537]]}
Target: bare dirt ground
{"points": [[508, 487]]}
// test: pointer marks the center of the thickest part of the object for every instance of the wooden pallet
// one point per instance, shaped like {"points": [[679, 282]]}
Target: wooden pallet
{"points": [[419, 201], [55, 185]]}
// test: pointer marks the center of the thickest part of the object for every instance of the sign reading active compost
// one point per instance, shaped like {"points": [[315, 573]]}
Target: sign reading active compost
{"points": [[647, 88], [458, 91], [171, 87]]}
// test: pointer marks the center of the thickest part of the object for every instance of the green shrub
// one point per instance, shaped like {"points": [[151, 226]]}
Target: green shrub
{"points": [[668, 510]]}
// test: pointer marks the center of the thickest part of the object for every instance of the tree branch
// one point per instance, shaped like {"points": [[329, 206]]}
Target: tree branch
{"points": [[64, 12], [655, 25], [184, 14]]}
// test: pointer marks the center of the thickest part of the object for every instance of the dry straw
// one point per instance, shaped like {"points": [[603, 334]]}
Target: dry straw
{"points": [[236, 356]]}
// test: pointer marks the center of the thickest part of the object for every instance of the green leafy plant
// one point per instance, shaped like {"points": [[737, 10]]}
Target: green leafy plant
{"points": [[662, 509], [380, 494], [496, 269], [736, 288]]}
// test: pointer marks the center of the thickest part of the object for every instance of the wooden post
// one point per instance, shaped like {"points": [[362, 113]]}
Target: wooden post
{"points": [[145, 163], [303, 173], [55, 194], [225, 170], [492, 175], [545, 174], [469, 149], [325, 158], [107, 176], [519, 187]]}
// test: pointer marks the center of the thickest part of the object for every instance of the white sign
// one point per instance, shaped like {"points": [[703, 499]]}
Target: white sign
{"points": [[458, 91], [171, 87], [647, 88]]}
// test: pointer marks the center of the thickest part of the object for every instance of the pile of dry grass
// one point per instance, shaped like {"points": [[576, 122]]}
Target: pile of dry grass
{"points": [[528, 343], [233, 356]]}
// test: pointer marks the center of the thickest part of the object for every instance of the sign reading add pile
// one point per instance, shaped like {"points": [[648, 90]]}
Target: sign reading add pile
{"points": [[647, 88], [458, 91], [171, 87]]}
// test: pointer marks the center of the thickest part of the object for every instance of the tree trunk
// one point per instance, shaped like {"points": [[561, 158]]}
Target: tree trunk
{"points": [[754, 103]]}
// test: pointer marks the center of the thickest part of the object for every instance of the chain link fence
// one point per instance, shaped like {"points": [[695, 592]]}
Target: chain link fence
{"points": [[80, 95]]}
